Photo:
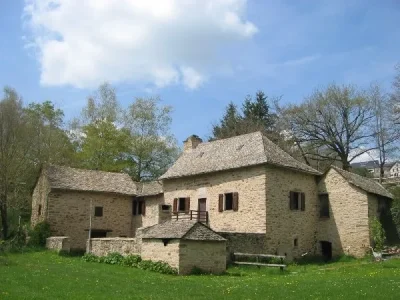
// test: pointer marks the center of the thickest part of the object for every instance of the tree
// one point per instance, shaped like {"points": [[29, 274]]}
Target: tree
{"points": [[333, 123], [386, 132], [50, 141], [255, 115], [15, 143], [395, 96], [104, 147], [152, 147]]}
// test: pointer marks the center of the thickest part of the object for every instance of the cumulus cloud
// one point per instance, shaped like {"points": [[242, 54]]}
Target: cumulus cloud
{"points": [[161, 42]]}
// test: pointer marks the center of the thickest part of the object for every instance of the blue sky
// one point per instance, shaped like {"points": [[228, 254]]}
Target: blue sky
{"points": [[196, 58]]}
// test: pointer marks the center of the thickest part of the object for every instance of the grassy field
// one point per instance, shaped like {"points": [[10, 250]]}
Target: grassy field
{"points": [[45, 275]]}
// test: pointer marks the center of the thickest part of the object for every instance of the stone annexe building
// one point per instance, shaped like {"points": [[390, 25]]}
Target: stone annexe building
{"points": [[245, 188]]}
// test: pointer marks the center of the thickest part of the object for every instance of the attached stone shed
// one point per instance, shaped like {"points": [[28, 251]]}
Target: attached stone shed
{"points": [[66, 197], [185, 245], [347, 205]]}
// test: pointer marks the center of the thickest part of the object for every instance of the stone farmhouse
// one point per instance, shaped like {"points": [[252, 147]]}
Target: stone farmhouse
{"points": [[252, 196], [391, 169]]}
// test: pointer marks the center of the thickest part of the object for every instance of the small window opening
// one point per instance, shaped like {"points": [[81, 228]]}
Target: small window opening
{"points": [[229, 201], [295, 242], [165, 207], [182, 204], [165, 242], [98, 211], [40, 210], [137, 207]]}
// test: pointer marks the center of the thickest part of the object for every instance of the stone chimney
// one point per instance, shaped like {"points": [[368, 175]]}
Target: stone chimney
{"points": [[191, 142]]}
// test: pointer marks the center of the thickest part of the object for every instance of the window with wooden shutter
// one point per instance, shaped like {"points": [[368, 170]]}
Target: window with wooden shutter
{"points": [[303, 201], [187, 204], [143, 205], [220, 202], [175, 206], [228, 201], [235, 201]]}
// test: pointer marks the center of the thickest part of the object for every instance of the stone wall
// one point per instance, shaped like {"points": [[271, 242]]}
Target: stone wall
{"points": [[209, 256], [284, 225], [39, 200], [248, 182], [184, 254], [58, 243], [154, 249], [255, 243], [153, 214], [68, 215], [347, 228], [124, 246]]}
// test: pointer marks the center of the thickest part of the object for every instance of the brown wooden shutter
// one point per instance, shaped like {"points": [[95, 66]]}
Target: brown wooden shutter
{"points": [[235, 204], [143, 208], [303, 201], [187, 204], [221, 202], [175, 206], [291, 198]]}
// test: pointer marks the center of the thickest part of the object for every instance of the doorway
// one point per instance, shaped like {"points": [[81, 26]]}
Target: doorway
{"points": [[202, 210], [326, 250]]}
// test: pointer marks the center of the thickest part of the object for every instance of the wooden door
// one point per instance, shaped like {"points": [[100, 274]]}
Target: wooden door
{"points": [[202, 210]]}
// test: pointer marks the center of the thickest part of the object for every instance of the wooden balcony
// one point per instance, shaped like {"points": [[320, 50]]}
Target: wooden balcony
{"points": [[196, 215]]}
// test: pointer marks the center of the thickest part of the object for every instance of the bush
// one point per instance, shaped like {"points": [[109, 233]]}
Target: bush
{"points": [[378, 234], [39, 234], [134, 261], [89, 257], [114, 258]]}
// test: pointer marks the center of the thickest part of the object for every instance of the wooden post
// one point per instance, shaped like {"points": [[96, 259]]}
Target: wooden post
{"points": [[191, 214]]}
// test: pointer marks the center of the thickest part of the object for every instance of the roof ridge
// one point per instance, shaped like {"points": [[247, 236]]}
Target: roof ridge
{"points": [[86, 170], [228, 138]]}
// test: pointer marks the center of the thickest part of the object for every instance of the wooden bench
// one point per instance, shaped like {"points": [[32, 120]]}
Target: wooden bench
{"points": [[281, 266]]}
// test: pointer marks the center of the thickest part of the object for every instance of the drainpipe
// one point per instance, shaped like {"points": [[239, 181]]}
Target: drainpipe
{"points": [[90, 227]]}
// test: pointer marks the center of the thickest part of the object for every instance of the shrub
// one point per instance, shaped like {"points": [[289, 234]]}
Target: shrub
{"points": [[135, 261], [132, 261], [89, 257], [39, 234], [158, 266], [114, 258], [378, 234]]}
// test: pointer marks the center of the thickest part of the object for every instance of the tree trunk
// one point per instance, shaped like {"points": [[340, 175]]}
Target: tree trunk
{"points": [[345, 163], [4, 219]]}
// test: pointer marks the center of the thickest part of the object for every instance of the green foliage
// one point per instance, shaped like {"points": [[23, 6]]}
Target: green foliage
{"points": [[39, 234], [395, 208], [378, 234], [114, 258], [134, 261], [255, 115]]}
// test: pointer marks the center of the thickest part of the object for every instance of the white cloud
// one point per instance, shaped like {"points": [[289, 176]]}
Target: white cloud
{"points": [[83, 43]]}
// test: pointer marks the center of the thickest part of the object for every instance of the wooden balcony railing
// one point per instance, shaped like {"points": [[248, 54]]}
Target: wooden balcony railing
{"points": [[198, 215]]}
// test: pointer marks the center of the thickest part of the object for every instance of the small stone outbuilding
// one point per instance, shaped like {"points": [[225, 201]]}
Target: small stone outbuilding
{"points": [[185, 245]]}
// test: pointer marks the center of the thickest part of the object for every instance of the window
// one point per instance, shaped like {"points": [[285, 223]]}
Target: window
{"points": [[138, 207], [40, 210], [98, 211], [228, 201], [98, 234], [182, 204], [324, 205], [165, 207], [295, 242], [297, 201]]}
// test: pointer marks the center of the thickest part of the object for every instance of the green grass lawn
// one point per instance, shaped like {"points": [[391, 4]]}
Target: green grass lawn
{"points": [[45, 275]]}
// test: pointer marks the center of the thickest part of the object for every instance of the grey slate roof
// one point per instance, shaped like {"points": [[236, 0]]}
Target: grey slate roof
{"points": [[66, 178], [181, 229], [150, 188], [236, 152], [364, 183]]}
